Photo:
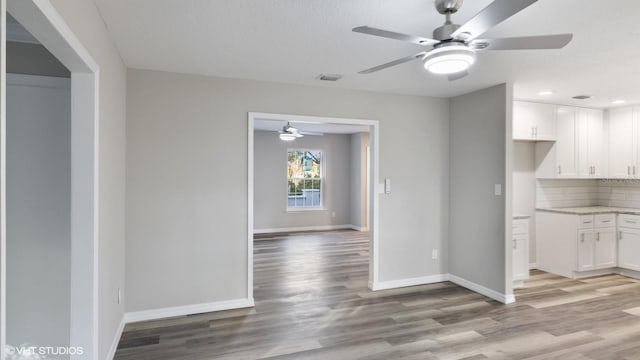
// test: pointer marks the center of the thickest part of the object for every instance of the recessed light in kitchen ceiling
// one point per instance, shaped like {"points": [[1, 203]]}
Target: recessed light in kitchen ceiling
{"points": [[618, 102], [545, 93]]}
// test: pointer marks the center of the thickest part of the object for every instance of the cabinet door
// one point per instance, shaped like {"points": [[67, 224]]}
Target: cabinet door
{"points": [[605, 248], [533, 121], [566, 146], [585, 250], [621, 143], [520, 258], [629, 249], [545, 122], [523, 114], [590, 143]]}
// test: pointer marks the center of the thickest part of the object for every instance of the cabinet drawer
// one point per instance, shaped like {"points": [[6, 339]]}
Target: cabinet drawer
{"points": [[629, 221], [605, 220], [520, 227], [585, 222]]}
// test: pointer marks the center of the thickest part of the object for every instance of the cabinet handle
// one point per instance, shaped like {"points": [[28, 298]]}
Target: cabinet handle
{"points": [[628, 170], [533, 132], [515, 244], [536, 131], [559, 169], [634, 170], [582, 237], [597, 236], [620, 235]]}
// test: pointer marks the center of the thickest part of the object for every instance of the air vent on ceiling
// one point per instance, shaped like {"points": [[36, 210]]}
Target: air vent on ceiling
{"points": [[582, 97], [329, 77]]}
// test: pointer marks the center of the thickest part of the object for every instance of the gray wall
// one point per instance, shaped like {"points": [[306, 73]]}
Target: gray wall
{"points": [[187, 180], [83, 18], [33, 59], [38, 210], [270, 181], [524, 188], [359, 175], [478, 161]]}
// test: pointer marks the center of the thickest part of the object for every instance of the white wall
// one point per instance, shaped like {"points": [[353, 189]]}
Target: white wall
{"points": [[187, 180], [86, 23], [358, 186], [524, 188], [478, 161], [38, 210], [270, 181]]}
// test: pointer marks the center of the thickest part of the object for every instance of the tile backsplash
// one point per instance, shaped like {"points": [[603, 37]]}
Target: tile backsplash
{"points": [[587, 192]]}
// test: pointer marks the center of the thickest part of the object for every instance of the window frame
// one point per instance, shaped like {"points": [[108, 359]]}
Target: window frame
{"points": [[321, 206]]}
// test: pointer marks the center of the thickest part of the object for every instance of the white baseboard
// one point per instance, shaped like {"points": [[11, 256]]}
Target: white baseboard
{"points": [[393, 284], [503, 298], [168, 312], [114, 344], [359, 228], [303, 228], [533, 266]]}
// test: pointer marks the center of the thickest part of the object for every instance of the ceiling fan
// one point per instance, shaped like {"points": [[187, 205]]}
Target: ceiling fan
{"points": [[289, 133], [453, 47]]}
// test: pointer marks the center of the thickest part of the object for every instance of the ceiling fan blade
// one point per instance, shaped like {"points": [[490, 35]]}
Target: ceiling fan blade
{"points": [[312, 133], [557, 41], [457, 76], [393, 63], [394, 35], [492, 15]]}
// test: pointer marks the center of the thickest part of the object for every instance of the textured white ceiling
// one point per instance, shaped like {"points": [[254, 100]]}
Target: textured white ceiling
{"points": [[293, 41]]}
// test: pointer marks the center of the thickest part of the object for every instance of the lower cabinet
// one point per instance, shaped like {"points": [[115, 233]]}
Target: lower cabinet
{"points": [[629, 242], [596, 249], [570, 244], [520, 258]]}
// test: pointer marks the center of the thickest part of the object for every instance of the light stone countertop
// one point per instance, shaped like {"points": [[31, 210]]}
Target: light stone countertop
{"points": [[591, 210], [520, 216]]}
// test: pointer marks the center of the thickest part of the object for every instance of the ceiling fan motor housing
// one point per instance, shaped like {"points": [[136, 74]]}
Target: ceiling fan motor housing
{"points": [[444, 32], [448, 6]]}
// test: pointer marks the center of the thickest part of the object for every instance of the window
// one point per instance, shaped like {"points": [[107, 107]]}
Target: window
{"points": [[304, 178]]}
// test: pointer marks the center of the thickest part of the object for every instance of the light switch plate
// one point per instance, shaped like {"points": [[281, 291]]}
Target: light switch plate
{"points": [[387, 186], [497, 189]]}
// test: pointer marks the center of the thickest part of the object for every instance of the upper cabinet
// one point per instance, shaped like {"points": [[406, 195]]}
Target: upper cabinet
{"points": [[623, 143], [590, 143], [533, 121], [578, 151]]}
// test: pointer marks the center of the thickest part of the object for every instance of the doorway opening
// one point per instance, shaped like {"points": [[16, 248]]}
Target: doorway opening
{"points": [[336, 164], [37, 217]]}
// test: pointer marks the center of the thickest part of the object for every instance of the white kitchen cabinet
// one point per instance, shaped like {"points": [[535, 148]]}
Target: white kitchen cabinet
{"points": [[520, 258], [590, 143], [629, 242], [623, 139], [605, 248], [533, 121], [570, 244], [586, 251], [578, 151]]}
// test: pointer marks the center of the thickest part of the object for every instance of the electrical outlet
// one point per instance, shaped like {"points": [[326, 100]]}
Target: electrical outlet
{"points": [[119, 295], [434, 254], [333, 214]]}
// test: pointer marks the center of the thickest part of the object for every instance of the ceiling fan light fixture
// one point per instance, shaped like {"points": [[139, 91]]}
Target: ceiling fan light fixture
{"points": [[287, 137], [449, 59]]}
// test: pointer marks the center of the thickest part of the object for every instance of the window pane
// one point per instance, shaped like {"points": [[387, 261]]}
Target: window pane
{"points": [[304, 169]]}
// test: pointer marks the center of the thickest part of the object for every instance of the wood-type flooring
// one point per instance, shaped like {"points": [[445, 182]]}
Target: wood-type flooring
{"points": [[312, 302]]}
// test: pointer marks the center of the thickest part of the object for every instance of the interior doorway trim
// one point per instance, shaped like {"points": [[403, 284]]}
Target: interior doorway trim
{"points": [[42, 20], [373, 205]]}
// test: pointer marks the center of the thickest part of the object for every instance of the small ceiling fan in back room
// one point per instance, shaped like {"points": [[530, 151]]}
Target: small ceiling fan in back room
{"points": [[452, 50]]}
